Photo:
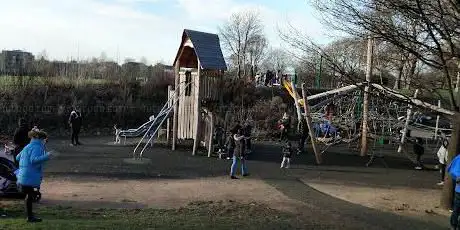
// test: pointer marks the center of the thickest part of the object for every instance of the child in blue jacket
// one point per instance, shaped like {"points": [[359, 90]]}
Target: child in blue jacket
{"points": [[31, 160], [454, 170]]}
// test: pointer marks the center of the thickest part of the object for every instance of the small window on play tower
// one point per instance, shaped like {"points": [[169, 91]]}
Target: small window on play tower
{"points": [[188, 85]]}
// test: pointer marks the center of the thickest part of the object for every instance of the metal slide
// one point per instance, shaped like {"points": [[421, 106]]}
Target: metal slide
{"points": [[154, 128], [136, 132], [144, 128], [156, 124]]}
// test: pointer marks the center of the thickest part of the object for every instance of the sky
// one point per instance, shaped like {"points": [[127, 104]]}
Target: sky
{"points": [[81, 29]]}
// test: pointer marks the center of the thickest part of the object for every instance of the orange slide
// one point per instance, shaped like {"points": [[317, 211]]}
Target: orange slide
{"points": [[288, 86]]}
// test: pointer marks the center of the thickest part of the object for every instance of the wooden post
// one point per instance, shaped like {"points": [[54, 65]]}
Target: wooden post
{"points": [[437, 122], [168, 121], [296, 101], [409, 114], [370, 50], [310, 126], [196, 107], [211, 134], [176, 105]]}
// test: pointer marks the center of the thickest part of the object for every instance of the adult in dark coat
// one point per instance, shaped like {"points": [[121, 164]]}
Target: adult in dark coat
{"points": [[247, 131], [20, 138], [75, 121], [303, 135]]}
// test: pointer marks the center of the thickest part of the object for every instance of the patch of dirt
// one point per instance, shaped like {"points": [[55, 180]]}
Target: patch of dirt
{"points": [[399, 200], [159, 193]]}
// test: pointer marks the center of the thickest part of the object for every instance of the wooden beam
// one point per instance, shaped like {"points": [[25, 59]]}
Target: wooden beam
{"points": [[176, 103], [196, 107], [310, 126], [414, 101], [387, 91], [334, 91], [406, 124]]}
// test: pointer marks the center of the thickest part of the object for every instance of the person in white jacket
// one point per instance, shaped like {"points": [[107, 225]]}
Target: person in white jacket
{"points": [[442, 157]]}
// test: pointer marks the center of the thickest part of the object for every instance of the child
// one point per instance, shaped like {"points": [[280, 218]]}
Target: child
{"points": [[442, 157], [418, 150], [230, 145], [303, 134], [329, 111], [284, 126], [454, 170], [219, 136], [239, 155], [247, 135], [117, 134], [287, 153]]}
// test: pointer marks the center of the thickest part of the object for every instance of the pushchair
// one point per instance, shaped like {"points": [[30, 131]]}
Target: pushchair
{"points": [[8, 179]]}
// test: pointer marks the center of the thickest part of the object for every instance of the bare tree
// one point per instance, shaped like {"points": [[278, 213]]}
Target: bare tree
{"points": [[275, 60], [239, 33], [427, 31], [42, 55], [144, 60], [257, 50], [103, 57], [433, 31], [128, 60]]}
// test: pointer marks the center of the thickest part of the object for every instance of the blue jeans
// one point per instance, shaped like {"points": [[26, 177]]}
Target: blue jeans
{"points": [[455, 211], [233, 169]]}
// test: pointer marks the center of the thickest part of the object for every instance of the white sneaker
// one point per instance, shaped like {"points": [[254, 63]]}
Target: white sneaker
{"points": [[440, 183], [418, 168]]}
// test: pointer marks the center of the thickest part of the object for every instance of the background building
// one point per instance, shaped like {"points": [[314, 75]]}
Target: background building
{"points": [[16, 62]]}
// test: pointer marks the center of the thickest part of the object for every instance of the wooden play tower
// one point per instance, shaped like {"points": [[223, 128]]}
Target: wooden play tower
{"points": [[199, 67]]}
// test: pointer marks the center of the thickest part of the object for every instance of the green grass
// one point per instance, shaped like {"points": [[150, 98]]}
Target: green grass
{"points": [[202, 215]]}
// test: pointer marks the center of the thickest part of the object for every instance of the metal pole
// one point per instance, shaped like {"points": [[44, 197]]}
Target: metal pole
{"points": [[409, 114], [437, 122]]}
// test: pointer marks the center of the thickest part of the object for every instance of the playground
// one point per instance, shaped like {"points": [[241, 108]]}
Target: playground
{"points": [[95, 178], [356, 172]]}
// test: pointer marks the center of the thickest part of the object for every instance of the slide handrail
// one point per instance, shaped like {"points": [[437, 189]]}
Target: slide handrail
{"points": [[163, 113]]}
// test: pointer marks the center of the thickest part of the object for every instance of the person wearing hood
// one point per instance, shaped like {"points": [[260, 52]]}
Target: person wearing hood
{"points": [[20, 138], [31, 160]]}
